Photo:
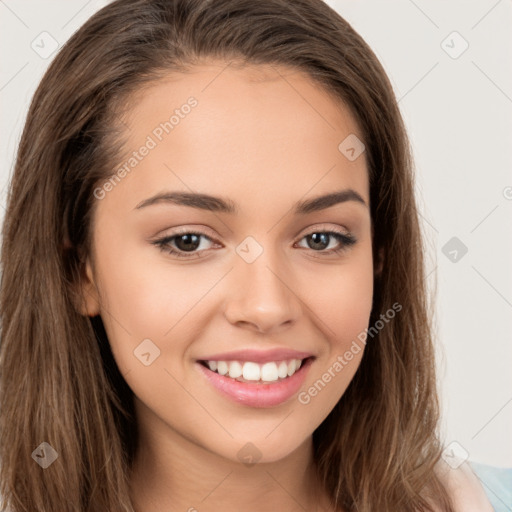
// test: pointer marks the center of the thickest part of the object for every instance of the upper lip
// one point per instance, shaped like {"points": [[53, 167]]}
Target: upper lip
{"points": [[258, 356]]}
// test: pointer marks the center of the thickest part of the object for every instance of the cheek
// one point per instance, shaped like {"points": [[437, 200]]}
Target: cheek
{"points": [[136, 293], [343, 298], [132, 307], [350, 309], [159, 301], [344, 306], [146, 311]]}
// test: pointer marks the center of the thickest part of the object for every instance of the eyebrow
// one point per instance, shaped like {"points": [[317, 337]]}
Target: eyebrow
{"points": [[218, 204]]}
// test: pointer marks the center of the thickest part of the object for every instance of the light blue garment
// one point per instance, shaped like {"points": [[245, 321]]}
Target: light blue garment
{"points": [[497, 483]]}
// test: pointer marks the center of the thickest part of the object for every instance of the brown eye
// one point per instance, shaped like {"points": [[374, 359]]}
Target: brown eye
{"points": [[187, 242], [319, 241], [183, 244]]}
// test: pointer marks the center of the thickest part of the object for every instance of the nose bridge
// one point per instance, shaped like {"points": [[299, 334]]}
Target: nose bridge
{"points": [[262, 295]]}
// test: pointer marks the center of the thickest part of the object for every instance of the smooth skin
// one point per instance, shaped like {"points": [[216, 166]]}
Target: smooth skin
{"points": [[264, 138]]}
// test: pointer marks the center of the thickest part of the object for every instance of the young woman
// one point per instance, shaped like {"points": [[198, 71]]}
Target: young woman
{"points": [[213, 294]]}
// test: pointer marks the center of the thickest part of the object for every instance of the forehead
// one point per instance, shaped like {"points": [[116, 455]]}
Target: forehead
{"points": [[259, 128], [242, 90]]}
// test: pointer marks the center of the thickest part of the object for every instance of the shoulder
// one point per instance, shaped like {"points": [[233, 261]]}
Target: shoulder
{"points": [[464, 487]]}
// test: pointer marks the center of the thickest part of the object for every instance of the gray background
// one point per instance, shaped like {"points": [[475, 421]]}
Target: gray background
{"points": [[458, 110]]}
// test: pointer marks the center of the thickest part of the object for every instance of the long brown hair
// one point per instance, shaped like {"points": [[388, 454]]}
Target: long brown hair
{"points": [[59, 383]]}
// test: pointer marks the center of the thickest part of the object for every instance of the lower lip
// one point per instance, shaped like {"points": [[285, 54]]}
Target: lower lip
{"points": [[258, 394]]}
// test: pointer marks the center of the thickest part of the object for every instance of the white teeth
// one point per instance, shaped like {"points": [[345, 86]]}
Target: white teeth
{"points": [[267, 372], [282, 370], [252, 371], [222, 367], [235, 369]]}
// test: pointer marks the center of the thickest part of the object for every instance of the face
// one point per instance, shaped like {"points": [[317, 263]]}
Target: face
{"points": [[212, 254]]}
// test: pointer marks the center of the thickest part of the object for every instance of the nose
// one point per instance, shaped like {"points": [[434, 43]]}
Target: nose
{"points": [[262, 297]]}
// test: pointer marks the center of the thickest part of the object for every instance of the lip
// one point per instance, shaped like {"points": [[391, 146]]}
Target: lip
{"points": [[258, 356], [258, 394]]}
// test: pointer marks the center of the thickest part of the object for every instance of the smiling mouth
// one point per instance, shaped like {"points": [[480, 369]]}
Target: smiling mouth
{"points": [[256, 373]]}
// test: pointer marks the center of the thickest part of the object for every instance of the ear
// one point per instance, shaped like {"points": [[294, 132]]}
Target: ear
{"points": [[87, 302], [379, 263]]}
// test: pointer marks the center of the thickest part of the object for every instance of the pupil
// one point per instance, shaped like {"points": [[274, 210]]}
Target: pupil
{"points": [[319, 238], [191, 242]]}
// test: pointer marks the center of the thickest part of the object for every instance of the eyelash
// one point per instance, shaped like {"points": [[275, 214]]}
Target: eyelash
{"points": [[346, 239]]}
